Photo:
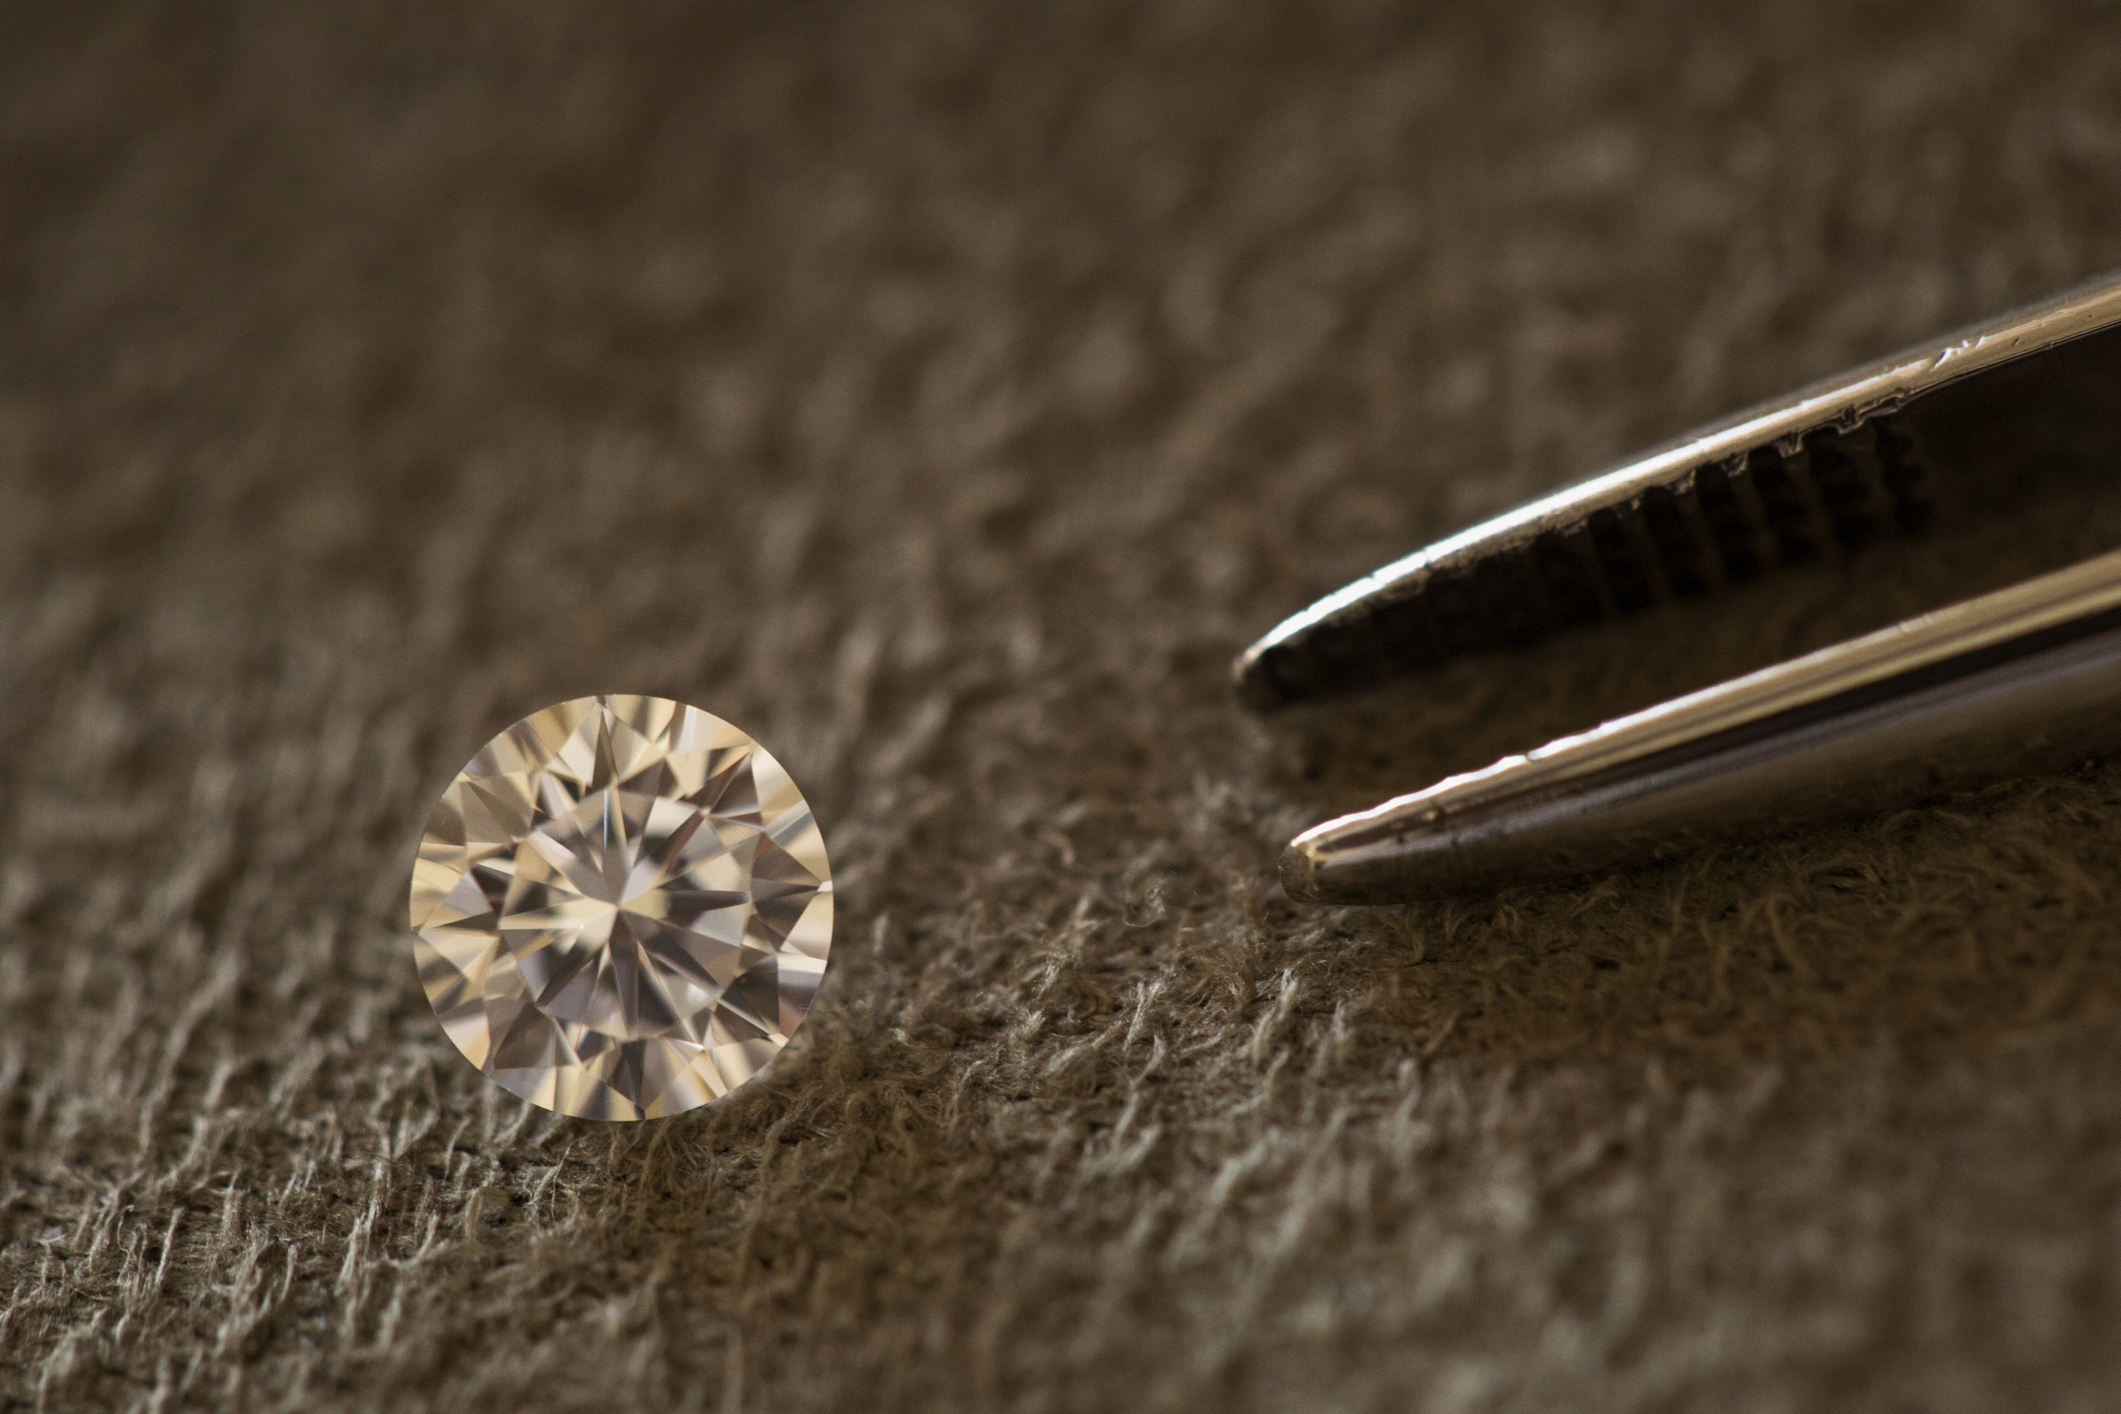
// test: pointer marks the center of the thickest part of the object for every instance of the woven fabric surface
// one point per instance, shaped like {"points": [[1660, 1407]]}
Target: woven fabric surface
{"points": [[944, 393]]}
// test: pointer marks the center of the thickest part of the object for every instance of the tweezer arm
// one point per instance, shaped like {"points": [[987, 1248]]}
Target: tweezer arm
{"points": [[2023, 678], [1954, 424]]}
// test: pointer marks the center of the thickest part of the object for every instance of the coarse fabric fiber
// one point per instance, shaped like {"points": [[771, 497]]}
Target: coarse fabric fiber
{"points": [[944, 393]]}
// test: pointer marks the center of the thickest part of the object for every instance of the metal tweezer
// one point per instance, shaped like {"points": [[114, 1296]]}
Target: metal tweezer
{"points": [[2022, 679]]}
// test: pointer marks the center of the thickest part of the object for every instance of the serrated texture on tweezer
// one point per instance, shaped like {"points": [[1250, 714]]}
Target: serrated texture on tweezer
{"points": [[2023, 678], [1951, 427]]}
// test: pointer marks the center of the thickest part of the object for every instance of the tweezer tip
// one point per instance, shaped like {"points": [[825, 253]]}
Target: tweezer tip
{"points": [[1299, 872], [1255, 688]]}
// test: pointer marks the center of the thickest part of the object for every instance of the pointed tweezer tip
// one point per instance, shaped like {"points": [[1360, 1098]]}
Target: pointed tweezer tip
{"points": [[1255, 688], [1316, 873], [1319, 866], [1299, 873]]}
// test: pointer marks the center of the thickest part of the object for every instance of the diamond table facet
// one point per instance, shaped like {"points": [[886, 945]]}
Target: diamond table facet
{"points": [[623, 908]]}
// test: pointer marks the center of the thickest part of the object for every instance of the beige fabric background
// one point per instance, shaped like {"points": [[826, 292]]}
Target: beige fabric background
{"points": [[944, 392]]}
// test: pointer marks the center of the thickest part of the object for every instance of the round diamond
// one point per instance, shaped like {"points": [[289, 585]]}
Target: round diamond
{"points": [[623, 908]]}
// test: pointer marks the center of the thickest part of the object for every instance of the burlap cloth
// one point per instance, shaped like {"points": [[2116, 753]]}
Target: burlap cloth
{"points": [[944, 392]]}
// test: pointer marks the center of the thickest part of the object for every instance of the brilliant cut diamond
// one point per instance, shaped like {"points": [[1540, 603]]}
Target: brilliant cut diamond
{"points": [[623, 908]]}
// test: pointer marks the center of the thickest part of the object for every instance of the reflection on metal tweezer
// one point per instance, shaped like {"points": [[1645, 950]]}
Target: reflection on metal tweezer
{"points": [[2026, 677]]}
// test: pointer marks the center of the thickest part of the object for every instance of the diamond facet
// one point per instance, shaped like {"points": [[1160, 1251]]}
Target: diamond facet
{"points": [[623, 908]]}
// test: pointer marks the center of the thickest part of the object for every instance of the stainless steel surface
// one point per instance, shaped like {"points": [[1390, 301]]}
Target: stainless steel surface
{"points": [[2020, 679], [1951, 428]]}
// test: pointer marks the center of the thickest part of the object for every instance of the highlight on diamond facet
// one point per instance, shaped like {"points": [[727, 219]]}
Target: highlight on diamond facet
{"points": [[622, 908]]}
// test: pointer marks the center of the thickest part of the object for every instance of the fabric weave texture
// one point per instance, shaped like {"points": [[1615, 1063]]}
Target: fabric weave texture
{"points": [[946, 392]]}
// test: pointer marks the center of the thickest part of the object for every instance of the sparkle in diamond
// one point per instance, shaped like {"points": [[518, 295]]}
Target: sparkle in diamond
{"points": [[623, 908]]}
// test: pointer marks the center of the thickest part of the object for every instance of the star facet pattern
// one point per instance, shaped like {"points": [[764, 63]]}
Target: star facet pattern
{"points": [[622, 908]]}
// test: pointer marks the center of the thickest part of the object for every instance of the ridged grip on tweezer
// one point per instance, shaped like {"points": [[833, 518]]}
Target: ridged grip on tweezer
{"points": [[1827, 470]]}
